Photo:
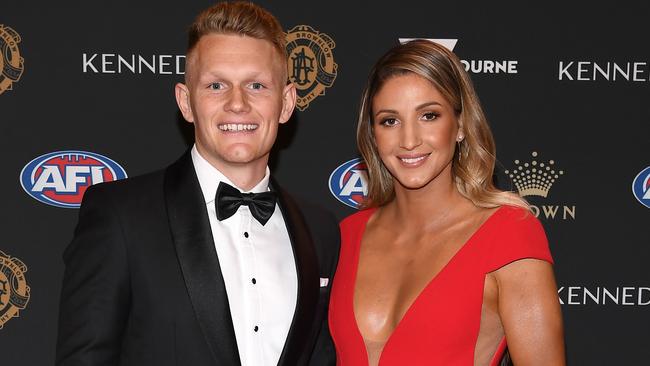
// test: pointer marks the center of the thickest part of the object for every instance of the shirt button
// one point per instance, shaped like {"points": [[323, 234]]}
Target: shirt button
{"points": [[256, 328], [245, 234], [254, 281]]}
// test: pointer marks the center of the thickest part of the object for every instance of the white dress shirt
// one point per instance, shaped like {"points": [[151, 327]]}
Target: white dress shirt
{"points": [[258, 269]]}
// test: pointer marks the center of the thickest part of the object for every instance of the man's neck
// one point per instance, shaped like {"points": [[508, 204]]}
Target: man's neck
{"points": [[244, 176]]}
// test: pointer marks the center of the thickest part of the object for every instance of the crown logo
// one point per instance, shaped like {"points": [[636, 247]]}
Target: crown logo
{"points": [[534, 178]]}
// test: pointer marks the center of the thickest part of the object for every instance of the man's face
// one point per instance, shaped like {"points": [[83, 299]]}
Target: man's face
{"points": [[236, 95]]}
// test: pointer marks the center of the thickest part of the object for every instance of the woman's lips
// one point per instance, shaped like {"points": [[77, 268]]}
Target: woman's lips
{"points": [[413, 159]]}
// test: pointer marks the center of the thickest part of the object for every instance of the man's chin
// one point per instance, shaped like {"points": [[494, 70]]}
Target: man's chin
{"points": [[244, 158]]}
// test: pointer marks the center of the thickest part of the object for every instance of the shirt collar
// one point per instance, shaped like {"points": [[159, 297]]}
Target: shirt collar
{"points": [[209, 178]]}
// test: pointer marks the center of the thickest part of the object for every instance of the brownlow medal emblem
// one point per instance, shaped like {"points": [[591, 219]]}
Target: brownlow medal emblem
{"points": [[11, 63], [311, 63], [14, 292]]}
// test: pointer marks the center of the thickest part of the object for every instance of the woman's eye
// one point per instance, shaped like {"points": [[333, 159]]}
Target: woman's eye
{"points": [[429, 116], [388, 122]]}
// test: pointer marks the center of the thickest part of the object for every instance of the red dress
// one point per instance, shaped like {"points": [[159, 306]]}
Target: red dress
{"points": [[442, 325]]}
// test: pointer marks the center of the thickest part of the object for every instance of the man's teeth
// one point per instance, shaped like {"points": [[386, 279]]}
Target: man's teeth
{"points": [[412, 160], [237, 127]]}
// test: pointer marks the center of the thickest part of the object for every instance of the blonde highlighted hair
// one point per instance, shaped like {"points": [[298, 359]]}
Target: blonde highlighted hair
{"points": [[474, 159]]}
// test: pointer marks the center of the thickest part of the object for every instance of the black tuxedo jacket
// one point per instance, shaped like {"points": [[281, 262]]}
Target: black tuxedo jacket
{"points": [[143, 285]]}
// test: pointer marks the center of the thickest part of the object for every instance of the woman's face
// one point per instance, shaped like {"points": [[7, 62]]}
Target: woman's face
{"points": [[416, 130]]}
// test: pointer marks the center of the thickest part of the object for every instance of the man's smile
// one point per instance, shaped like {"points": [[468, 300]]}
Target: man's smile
{"points": [[237, 127]]}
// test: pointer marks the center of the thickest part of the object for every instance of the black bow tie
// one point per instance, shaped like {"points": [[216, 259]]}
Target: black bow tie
{"points": [[229, 199]]}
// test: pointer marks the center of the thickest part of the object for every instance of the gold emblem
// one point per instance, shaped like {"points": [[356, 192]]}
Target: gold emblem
{"points": [[11, 64], [311, 64], [14, 292], [534, 178]]}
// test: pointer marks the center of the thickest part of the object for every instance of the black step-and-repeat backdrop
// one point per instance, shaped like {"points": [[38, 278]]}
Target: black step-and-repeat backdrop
{"points": [[86, 96]]}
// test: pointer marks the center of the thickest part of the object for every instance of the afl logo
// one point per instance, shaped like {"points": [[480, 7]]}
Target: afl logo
{"points": [[349, 182], [61, 178], [641, 187], [14, 292], [11, 64], [311, 64]]}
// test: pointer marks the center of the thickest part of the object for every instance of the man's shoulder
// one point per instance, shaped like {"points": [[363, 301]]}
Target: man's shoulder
{"points": [[132, 186], [143, 185], [310, 210], [133, 194]]}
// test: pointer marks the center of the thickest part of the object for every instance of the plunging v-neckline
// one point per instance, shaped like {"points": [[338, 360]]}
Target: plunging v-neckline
{"points": [[419, 295]]}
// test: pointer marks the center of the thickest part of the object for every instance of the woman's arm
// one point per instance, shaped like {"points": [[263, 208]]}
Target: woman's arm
{"points": [[530, 312]]}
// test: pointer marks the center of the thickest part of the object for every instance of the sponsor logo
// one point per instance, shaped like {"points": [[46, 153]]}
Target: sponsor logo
{"points": [[112, 63], [311, 63], [603, 71], [11, 63], [641, 187], [14, 292], [349, 182], [535, 178], [61, 178], [599, 295], [474, 66]]}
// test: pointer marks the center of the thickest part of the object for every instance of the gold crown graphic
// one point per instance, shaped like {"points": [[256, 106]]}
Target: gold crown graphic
{"points": [[534, 178]]}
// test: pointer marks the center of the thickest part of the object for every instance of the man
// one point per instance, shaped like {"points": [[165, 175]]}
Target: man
{"points": [[179, 267]]}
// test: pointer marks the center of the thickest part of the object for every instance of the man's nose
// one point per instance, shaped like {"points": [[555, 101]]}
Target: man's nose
{"points": [[237, 101]]}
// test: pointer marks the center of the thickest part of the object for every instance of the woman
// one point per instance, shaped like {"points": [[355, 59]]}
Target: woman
{"points": [[441, 267]]}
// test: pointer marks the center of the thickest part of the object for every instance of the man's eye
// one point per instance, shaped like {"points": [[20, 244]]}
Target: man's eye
{"points": [[429, 116], [257, 86], [216, 86]]}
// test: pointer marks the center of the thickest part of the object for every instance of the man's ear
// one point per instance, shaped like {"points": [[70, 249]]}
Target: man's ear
{"points": [[288, 102], [183, 101]]}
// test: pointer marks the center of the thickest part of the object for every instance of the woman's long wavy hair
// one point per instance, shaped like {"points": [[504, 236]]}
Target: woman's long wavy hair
{"points": [[474, 159]]}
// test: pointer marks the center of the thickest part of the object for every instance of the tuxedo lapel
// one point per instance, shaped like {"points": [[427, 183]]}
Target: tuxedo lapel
{"points": [[308, 279], [192, 236]]}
